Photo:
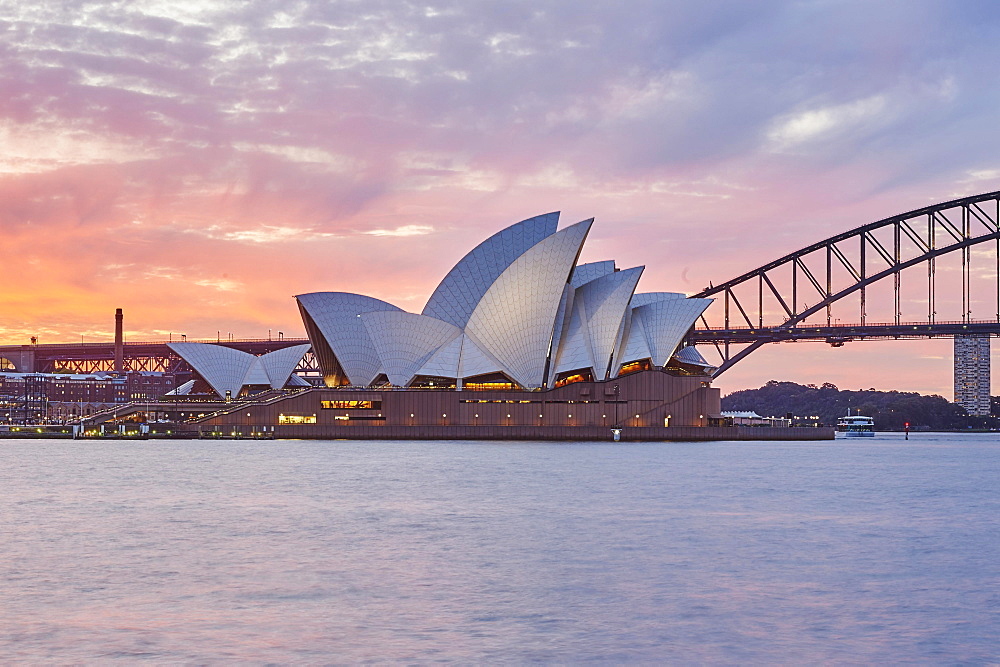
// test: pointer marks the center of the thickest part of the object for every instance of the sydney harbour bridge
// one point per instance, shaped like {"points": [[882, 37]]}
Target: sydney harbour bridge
{"points": [[929, 273]]}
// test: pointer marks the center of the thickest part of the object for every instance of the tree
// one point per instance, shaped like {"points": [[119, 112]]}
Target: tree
{"points": [[890, 409]]}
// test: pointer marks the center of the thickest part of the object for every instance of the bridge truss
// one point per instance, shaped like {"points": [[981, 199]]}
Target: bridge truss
{"points": [[897, 268], [153, 356]]}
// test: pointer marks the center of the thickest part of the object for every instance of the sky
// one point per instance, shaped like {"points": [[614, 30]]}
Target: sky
{"points": [[200, 163]]}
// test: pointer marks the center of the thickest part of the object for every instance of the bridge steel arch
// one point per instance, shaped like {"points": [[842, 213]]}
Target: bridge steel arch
{"points": [[914, 238]]}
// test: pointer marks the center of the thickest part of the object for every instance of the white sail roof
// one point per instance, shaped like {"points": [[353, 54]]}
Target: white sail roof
{"points": [[574, 351], [515, 318], [445, 361], [584, 273], [562, 324], [461, 290], [475, 361], [643, 298], [633, 346], [690, 355], [222, 367], [406, 341], [599, 308], [337, 317], [605, 301], [664, 324], [280, 364], [517, 304], [229, 370]]}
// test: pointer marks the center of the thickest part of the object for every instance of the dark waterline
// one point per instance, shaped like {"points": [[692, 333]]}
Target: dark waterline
{"points": [[296, 551]]}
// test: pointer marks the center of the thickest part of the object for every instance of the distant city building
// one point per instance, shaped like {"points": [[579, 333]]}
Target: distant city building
{"points": [[36, 397], [972, 373]]}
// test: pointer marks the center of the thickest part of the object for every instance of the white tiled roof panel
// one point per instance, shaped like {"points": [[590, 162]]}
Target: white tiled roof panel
{"points": [[279, 364], [516, 316], [665, 323], [337, 314], [222, 367], [584, 273], [404, 341], [460, 291]]}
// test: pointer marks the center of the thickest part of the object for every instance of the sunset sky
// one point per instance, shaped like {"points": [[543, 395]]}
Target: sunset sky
{"points": [[199, 163]]}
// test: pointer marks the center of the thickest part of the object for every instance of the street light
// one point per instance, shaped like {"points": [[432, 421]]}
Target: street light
{"points": [[616, 406]]}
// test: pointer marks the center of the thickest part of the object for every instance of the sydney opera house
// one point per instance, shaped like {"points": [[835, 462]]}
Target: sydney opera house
{"points": [[518, 312], [517, 336]]}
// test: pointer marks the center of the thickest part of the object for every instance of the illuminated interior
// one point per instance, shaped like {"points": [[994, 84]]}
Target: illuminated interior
{"points": [[296, 419], [569, 377], [351, 405], [492, 381], [636, 366], [432, 382]]}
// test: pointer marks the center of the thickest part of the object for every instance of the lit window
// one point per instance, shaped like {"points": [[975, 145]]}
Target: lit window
{"points": [[296, 419], [351, 405]]}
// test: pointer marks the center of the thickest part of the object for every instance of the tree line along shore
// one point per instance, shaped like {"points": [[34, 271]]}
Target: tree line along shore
{"points": [[891, 410]]}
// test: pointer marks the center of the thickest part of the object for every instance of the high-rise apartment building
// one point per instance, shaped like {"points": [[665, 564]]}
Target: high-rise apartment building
{"points": [[972, 373]]}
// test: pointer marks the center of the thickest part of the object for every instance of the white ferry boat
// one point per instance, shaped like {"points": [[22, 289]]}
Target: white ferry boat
{"points": [[856, 426]]}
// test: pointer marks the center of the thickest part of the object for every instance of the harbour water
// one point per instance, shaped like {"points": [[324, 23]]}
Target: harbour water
{"points": [[880, 550]]}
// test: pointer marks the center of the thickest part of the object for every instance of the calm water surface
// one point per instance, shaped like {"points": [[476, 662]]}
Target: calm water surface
{"points": [[345, 552]]}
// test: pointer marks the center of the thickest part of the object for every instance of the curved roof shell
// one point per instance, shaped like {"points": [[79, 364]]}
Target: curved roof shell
{"points": [[599, 308], [644, 298], [280, 364], [664, 323], [463, 288], [341, 341], [445, 360], [584, 273], [515, 318], [223, 368], [229, 370], [475, 361], [690, 355], [517, 304], [406, 341]]}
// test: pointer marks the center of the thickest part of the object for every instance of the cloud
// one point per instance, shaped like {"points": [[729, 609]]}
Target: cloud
{"points": [[222, 285], [793, 130], [263, 234], [405, 230]]}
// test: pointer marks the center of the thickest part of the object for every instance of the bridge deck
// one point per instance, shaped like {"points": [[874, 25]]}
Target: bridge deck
{"points": [[841, 333]]}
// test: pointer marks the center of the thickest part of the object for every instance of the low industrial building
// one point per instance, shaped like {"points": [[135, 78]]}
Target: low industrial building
{"points": [[35, 398]]}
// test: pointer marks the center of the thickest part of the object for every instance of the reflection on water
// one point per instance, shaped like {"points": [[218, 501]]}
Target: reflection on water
{"points": [[289, 551]]}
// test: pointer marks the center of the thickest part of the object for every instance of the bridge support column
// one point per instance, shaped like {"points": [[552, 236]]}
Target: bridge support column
{"points": [[23, 360], [972, 373]]}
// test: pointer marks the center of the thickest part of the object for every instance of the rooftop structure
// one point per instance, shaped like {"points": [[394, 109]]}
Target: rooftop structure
{"points": [[228, 372]]}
